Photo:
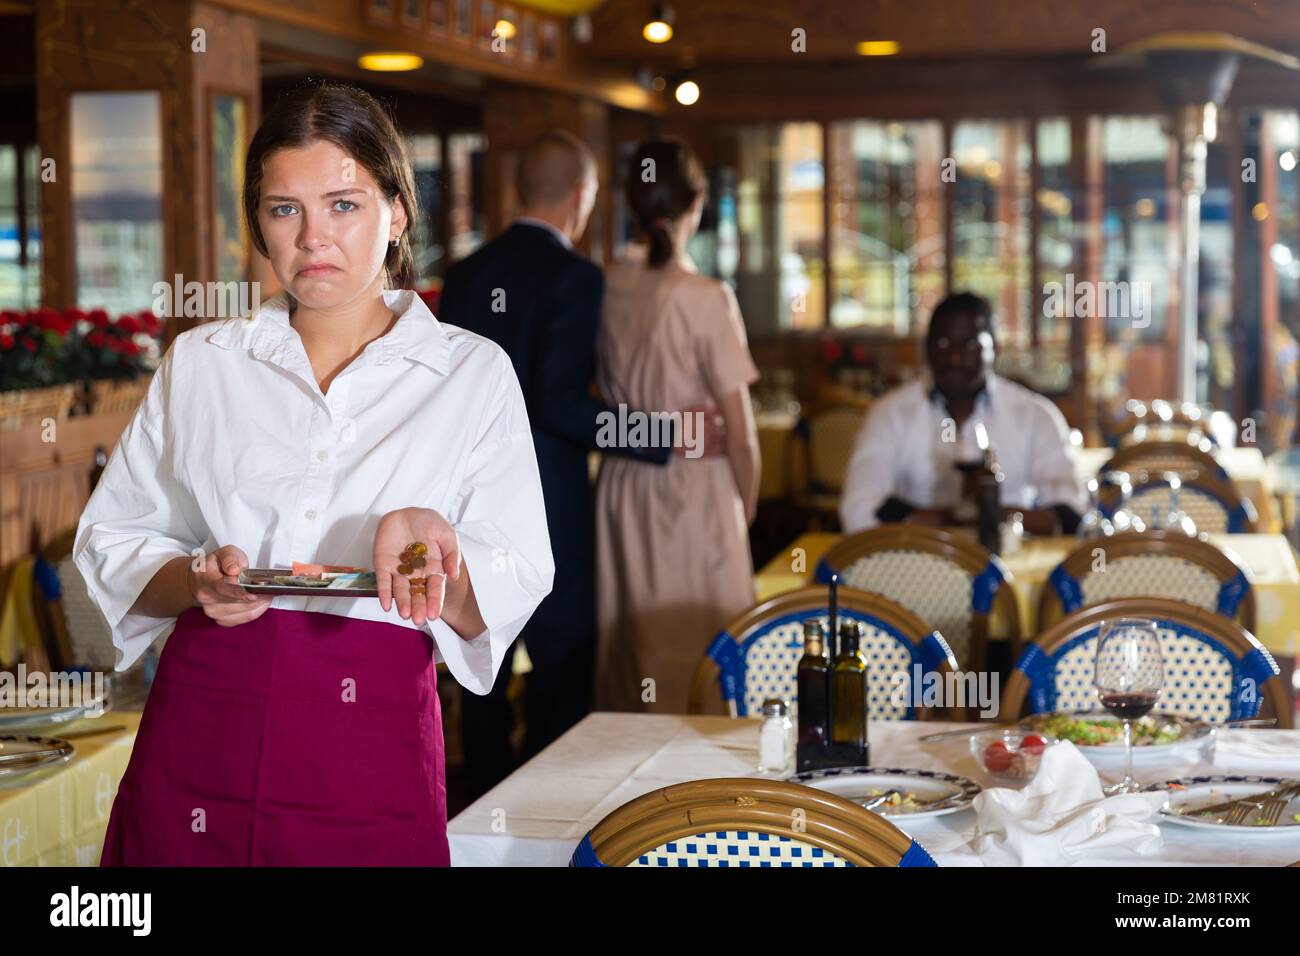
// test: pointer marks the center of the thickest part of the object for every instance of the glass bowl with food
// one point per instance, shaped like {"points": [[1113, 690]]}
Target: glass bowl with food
{"points": [[1010, 758]]}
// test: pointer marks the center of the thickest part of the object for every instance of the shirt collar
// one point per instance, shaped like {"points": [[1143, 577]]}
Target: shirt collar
{"points": [[549, 227], [985, 396], [417, 335]]}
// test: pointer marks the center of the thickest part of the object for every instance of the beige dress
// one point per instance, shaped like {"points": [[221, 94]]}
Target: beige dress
{"points": [[672, 547]]}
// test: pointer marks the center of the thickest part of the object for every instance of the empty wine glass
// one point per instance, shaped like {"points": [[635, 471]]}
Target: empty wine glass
{"points": [[1129, 675]]}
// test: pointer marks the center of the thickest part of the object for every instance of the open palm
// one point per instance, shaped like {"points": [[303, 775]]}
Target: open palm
{"points": [[396, 531]]}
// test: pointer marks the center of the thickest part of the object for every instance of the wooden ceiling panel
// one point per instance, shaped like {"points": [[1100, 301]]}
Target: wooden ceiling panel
{"points": [[720, 31]]}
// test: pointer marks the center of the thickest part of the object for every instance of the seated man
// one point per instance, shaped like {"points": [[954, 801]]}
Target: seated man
{"points": [[904, 463]]}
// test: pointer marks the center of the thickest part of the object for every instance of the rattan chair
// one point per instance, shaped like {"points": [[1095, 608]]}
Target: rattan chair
{"points": [[1152, 457], [945, 578], [757, 655], [1215, 670], [1166, 564], [746, 822], [1214, 505], [825, 440]]}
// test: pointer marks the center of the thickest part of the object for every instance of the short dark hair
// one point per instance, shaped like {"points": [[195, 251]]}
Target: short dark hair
{"points": [[551, 168], [356, 123], [963, 303]]}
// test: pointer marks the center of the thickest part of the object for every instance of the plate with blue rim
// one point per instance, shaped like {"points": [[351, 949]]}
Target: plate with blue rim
{"points": [[920, 793], [1188, 795]]}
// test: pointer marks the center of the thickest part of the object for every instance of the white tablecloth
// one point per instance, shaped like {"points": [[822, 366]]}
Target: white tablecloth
{"points": [[538, 815]]}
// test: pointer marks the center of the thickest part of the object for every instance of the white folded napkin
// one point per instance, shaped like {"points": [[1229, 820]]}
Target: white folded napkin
{"points": [[1062, 815], [1258, 751]]}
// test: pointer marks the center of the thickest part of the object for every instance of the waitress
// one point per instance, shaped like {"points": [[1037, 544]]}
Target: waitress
{"points": [[340, 424]]}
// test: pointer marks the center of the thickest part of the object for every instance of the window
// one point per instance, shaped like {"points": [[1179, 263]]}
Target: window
{"points": [[465, 211], [886, 215], [990, 211], [20, 277], [780, 220], [116, 199], [426, 238]]}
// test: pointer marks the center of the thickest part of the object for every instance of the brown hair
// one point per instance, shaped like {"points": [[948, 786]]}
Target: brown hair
{"points": [[663, 180], [356, 123], [551, 168]]}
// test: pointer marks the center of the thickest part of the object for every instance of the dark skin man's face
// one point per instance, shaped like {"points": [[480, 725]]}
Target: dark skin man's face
{"points": [[960, 350]]}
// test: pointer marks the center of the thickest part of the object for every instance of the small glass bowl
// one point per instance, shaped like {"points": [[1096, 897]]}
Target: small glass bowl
{"points": [[1009, 757]]}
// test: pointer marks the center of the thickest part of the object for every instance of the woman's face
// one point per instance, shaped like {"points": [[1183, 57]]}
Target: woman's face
{"points": [[326, 223]]}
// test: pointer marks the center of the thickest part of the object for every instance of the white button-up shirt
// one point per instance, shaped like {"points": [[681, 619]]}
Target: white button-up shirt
{"points": [[235, 443], [909, 446]]}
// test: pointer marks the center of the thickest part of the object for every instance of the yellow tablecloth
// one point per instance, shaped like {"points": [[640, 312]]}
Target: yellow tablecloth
{"points": [[60, 819], [1268, 558]]}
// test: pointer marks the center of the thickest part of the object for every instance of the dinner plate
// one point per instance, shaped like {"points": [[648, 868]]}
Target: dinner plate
{"points": [[948, 793], [1188, 793], [1193, 734], [15, 719], [23, 768]]}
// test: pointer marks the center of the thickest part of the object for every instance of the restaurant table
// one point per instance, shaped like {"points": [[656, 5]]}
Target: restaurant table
{"points": [[1250, 472], [1268, 558], [60, 819], [538, 815]]}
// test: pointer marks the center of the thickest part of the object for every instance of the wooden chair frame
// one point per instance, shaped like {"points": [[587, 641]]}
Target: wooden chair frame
{"points": [[1233, 636], [1221, 562], [953, 547], [832, 823], [1193, 452], [813, 600]]}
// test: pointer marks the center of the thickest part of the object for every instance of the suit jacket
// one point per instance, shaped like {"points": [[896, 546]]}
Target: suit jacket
{"points": [[541, 302]]}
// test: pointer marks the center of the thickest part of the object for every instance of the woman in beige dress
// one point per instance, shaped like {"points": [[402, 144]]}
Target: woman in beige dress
{"points": [[672, 542]]}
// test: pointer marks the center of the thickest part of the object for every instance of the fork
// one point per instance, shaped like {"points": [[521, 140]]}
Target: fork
{"points": [[1237, 815], [1272, 810]]}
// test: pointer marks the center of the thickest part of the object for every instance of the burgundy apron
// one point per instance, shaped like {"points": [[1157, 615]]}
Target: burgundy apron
{"points": [[297, 739]]}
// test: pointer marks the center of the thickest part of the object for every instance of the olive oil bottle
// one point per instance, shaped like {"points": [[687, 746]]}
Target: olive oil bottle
{"points": [[814, 682], [849, 696]]}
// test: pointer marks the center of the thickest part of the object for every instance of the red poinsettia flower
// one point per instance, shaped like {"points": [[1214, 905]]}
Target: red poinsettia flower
{"points": [[99, 319], [6, 341], [30, 345], [128, 324]]}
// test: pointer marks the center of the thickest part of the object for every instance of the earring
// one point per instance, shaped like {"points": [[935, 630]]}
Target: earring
{"points": [[393, 242]]}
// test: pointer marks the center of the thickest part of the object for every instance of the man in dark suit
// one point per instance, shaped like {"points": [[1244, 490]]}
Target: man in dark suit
{"points": [[529, 292]]}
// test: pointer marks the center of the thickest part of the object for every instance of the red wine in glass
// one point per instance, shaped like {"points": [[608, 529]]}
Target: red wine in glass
{"points": [[1129, 706]]}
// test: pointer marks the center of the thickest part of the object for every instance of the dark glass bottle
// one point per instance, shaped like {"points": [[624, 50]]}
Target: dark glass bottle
{"points": [[814, 677], [988, 503], [849, 693]]}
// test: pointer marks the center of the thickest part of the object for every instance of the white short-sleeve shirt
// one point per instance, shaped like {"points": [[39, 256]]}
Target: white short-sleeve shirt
{"points": [[234, 443]]}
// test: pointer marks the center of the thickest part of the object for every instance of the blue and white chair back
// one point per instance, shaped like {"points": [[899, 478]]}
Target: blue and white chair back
{"points": [[1150, 564], [1214, 670], [1213, 507], [947, 580], [757, 657], [752, 823]]}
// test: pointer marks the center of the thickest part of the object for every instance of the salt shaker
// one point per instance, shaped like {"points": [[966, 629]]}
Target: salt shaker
{"points": [[776, 738]]}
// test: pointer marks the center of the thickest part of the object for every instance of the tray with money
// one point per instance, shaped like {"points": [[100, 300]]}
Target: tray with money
{"points": [[311, 580]]}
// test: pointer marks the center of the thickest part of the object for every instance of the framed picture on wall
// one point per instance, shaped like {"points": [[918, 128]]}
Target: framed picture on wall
{"points": [[227, 144], [487, 23], [528, 37], [439, 16], [464, 19], [549, 51], [380, 12], [412, 14]]}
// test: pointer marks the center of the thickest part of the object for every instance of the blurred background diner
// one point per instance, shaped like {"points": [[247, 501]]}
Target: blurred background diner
{"points": [[1117, 184]]}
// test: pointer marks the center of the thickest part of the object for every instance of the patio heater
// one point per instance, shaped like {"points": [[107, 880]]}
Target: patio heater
{"points": [[1193, 73]]}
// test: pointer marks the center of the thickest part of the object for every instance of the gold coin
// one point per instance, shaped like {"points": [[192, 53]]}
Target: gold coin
{"points": [[416, 562], [418, 548], [404, 569]]}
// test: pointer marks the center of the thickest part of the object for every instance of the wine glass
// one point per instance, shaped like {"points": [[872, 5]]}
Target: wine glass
{"points": [[1129, 675]]}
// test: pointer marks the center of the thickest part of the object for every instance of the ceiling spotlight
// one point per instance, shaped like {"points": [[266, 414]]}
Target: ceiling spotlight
{"points": [[390, 62], [504, 29], [659, 28], [1287, 160], [687, 92], [877, 47]]}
